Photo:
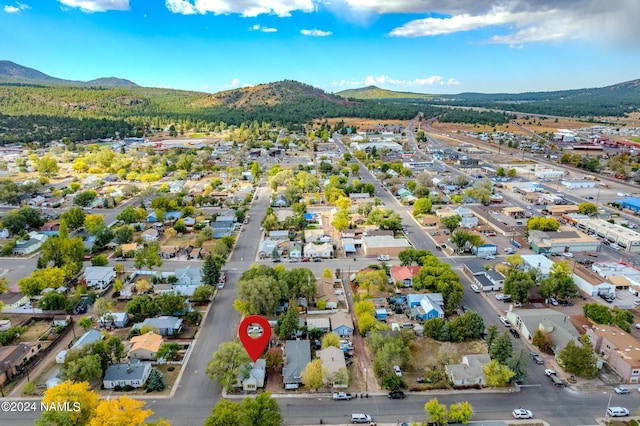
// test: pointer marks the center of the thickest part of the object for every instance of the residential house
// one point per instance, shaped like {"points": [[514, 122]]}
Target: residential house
{"points": [[169, 252], [468, 219], [222, 229], [31, 245], [150, 235], [145, 346], [132, 374], [280, 201], [387, 245], [166, 325], [36, 201], [99, 276], [13, 359], [50, 228], [279, 235], [189, 222], [554, 324], [469, 372], [188, 276], [342, 324], [326, 292], [87, 338], [128, 291], [129, 248], [255, 377], [295, 250], [61, 320], [402, 276], [267, 248], [114, 319], [426, 306], [297, 354], [13, 299], [620, 350], [320, 323], [334, 364], [324, 250]]}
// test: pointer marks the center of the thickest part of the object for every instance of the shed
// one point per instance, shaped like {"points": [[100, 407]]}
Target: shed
{"points": [[381, 314]]}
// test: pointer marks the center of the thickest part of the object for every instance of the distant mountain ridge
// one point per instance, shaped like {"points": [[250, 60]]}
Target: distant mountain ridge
{"points": [[10, 72], [374, 92]]}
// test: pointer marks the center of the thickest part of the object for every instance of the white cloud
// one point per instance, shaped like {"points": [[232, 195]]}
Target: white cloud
{"points": [[346, 83], [16, 9], [234, 83], [97, 5], [315, 33], [246, 8], [258, 27], [204, 86], [435, 80]]}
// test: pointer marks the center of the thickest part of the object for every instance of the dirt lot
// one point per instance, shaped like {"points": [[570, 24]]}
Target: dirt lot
{"points": [[36, 329], [548, 125]]}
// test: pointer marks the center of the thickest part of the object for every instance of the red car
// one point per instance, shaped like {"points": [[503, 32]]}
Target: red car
{"points": [[304, 259], [593, 254]]}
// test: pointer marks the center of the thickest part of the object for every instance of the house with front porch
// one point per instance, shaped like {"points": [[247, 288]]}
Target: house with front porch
{"points": [[469, 372]]}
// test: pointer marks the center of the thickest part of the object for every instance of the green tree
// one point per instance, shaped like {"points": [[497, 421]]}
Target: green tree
{"points": [[518, 363], [542, 340], [460, 412], [600, 314], [172, 303], [85, 323], [560, 281], [578, 359], [83, 369], [203, 294], [587, 208], [128, 215], [492, 334], [422, 206], [501, 348], [290, 324], [467, 326], [74, 217], [224, 413], [148, 256], [263, 410], [142, 307], [155, 381], [85, 198], [47, 166], [229, 363], [262, 294], [511, 173], [168, 351], [496, 374], [518, 284], [99, 260], [543, 224], [211, 269], [53, 301], [436, 412], [451, 222]]}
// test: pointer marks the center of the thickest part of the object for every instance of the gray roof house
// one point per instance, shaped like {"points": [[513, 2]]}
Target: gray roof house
{"points": [[134, 375], [470, 371], [297, 354], [166, 325], [87, 338], [255, 377], [99, 276], [553, 323], [188, 276]]}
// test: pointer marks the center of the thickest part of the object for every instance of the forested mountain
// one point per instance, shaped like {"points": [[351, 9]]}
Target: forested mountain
{"points": [[374, 92], [616, 100], [11, 72]]}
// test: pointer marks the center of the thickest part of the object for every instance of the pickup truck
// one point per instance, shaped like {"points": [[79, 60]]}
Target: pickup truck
{"points": [[337, 396]]}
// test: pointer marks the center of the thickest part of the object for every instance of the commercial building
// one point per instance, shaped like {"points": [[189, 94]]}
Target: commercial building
{"points": [[387, 245], [577, 184], [627, 239], [565, 240], [620, 350]]}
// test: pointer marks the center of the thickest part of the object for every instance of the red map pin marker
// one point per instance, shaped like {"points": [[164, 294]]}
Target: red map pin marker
{"points": [[254, 345]]}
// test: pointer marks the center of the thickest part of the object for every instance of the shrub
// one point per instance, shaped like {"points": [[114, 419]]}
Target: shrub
{"points": [[30, 389], [171, 368]]}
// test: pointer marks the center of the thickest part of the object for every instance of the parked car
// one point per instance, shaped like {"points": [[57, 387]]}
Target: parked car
{"points": [[503, 297], [383, 257], [564, 302], [505, 321], [317, 259], [304, 259], [553, 301], [397, 370], [220, 285], [621, 390], [276, 260], [342, 396], [593, 254], [536, 358], [514, 333], [617, 411], [475, 288], [521, 413], [550, 372], [588, 197], [396, 395]]}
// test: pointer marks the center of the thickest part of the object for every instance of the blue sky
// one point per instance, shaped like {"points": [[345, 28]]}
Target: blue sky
{"points": [[426, 46]]}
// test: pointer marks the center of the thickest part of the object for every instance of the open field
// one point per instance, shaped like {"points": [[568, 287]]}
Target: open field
{"points": [[36, 329], [362, 122]]}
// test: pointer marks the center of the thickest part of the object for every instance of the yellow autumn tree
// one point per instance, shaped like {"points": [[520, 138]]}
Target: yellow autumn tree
{"points": [[120, 411], [77, 395]]}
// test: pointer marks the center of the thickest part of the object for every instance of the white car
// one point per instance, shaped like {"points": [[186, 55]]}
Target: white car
{"points": [[553, 301], [502, 297], [550, 372], [521, 413], [475, 288], [397, 370], [622, 390], [505, 321]]}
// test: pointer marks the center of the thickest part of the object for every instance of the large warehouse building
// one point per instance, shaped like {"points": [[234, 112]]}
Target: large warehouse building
{"points": [[627, 239]]}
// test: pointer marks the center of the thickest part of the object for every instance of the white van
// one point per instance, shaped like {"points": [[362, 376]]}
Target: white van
{"points": [[617, 411], [360, 418], [615, 246]]}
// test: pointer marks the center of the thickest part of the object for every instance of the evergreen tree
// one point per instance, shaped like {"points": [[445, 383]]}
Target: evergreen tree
{"points": [[156, 381], [211, 269]]}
